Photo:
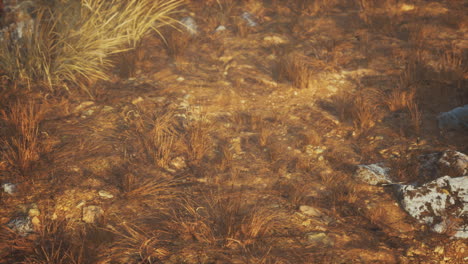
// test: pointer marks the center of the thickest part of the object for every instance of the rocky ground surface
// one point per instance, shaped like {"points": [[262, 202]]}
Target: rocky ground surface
{"points": [[205, 148]]}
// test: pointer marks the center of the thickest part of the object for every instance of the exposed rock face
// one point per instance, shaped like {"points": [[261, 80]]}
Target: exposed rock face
{"points": [[442, 204]]}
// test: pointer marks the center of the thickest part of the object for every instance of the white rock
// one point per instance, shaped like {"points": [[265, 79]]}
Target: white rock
{"points": [[373, 174], [9, 188], [92, 214], [440, 204], [220, 28]]}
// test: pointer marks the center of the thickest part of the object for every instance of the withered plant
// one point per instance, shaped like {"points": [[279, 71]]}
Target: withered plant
{"points": [[22, 144], [226, 221], [364, 113], [157, 133], [138, 242], [71, 41], [56, 246], [176, 43], [399, 98], [416, 116], [294, 68], [198, 140]]}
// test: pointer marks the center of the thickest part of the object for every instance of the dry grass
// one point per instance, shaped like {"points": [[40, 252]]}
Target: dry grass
{"points": [[198, 141], [137, 243], [416, 116], [157, 134], [226, 221], [22, 145], [364, 112], [294, 68], [399, 99], [71, 41], [55, 245], [176, 43]]}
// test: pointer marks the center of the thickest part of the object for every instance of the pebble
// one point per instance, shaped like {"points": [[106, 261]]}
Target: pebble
{"points": [[106, 194], [319, 238], [9, 188], [310, 211]]}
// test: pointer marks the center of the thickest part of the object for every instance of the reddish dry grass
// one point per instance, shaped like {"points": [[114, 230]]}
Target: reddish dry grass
{"points": [[22, 144]]}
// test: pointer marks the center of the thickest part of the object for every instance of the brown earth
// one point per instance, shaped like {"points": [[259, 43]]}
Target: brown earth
{"points": [[214, 145]]}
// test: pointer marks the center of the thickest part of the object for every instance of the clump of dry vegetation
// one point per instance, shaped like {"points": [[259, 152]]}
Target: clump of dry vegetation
{"points": [[22, 144], [71, 42]]}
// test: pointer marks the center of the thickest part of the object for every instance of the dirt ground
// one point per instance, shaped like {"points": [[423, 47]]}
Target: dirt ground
{"points": [[239, 145]]}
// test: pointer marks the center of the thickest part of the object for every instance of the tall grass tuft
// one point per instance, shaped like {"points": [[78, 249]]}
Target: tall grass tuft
{"points": [[71, 41]]}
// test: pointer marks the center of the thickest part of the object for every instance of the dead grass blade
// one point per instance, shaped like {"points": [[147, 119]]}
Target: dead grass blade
{"points": [[137, 244], [22, 146]]}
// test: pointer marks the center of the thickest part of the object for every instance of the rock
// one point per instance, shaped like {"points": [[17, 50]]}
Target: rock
{"points": [[21, 225], [190, 25], [105, 194], [373, 174], [310, 211], [178, 163], [455, 119], [249, 19], [319, 238], [442, 204], [9, 188], [439, 250], [220, 28], [92, 214], [446, 163], [34, 212]]}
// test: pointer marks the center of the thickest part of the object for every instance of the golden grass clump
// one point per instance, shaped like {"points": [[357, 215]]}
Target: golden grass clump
{"points": [[296, 70], [72, 41]]}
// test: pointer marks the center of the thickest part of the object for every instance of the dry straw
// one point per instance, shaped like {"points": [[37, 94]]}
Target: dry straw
{"points": [[71, 42]]}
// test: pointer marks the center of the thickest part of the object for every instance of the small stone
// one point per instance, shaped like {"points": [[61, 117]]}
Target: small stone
{"points": [[319, 238], [220, 28], [310, 211], [92, 214], [439, 250], [137, 100], [106, 194], [34, 212], [180, 79], [9, 188], [178, 163]]}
